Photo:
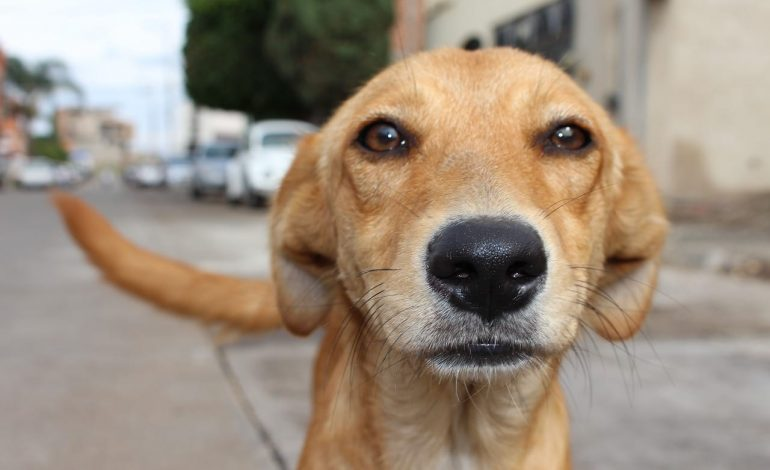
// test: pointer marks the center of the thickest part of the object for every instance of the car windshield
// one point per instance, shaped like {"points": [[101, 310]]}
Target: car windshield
{"points": [[279, 140], [220, 151]]}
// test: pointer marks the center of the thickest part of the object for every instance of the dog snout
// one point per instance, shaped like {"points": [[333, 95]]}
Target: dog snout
{"points": [[488, 266]]}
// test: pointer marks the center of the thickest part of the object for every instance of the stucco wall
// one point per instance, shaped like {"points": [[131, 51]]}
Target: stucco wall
{"points": [[452, 22], [708, 94]]}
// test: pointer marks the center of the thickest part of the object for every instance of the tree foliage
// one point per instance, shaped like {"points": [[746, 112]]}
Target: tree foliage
{"points": [[327, 49], [225, 63], [48, 146], [283, 58], [39, 80]]}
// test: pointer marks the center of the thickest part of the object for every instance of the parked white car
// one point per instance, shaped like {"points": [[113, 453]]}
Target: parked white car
{"points": [[67, 174], [178, 172], [256, 173], [149, 175], [36, 173], [209, 168]]}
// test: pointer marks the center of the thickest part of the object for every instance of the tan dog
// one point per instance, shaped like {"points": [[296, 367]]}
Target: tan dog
{"points": [[453, 226]]}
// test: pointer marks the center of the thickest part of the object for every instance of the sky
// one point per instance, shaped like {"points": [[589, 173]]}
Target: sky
{"points": [[126, 55]]}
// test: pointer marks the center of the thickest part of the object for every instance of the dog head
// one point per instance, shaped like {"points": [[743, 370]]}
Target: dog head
{"points": [[476, 208]]}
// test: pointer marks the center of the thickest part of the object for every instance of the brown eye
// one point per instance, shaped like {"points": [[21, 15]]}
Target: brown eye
{"points": [[570, 138], [382, 137]]}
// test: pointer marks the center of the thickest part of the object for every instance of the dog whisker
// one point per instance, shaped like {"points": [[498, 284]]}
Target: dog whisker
{"points": [[561, 203], [376, 270]]}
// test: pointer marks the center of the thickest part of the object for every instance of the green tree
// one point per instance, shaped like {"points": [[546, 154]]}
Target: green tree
{"points": [[283, 58], [40, 81], [225, 62], [48, 146], [329, 48]]}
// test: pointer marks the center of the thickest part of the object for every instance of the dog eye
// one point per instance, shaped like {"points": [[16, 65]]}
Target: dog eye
{"points": [[570, 138], [381, 137]]}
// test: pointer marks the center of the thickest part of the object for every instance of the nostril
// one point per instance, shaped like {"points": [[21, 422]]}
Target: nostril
{"points": [[524, 271], [448, 271], [463, 271], [516, 274]]}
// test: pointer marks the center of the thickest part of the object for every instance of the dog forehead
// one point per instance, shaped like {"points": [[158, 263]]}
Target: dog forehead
{"points": [[488, 73], [463, 84], [497, 92]]}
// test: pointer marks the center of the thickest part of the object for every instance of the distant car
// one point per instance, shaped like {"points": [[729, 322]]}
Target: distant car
{"points": [[178, 171], [145, 175], [255, 175], [129, 175], [67, 174], [209, 163], [149, 175], [36, 172]]}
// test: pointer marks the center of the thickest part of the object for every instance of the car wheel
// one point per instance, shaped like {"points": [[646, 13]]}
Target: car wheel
{"points": [[255, 200]]}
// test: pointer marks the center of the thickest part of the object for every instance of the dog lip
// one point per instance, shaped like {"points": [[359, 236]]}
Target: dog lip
{"points": [[483, 353]]}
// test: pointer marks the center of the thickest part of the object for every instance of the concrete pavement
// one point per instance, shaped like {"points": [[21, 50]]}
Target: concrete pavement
{"points": [[92, 378], [691, 392], [724, 235], [95, 379]]}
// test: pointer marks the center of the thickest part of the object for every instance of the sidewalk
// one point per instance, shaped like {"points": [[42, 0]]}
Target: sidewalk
{"points": [[728, 235], [95, 379]]}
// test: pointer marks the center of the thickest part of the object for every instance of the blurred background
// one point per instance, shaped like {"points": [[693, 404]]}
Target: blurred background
{"points": [[178, 120]]}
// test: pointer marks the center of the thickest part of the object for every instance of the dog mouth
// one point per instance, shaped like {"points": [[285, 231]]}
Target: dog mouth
{"points": [[483, 354]]}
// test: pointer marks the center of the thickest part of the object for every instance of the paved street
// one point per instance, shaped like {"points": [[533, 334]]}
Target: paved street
{"points": [[92, 378]]}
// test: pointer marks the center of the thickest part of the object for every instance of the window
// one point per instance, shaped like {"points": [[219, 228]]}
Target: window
{"points": [[279, 140], [547, 31], [221, 151]]}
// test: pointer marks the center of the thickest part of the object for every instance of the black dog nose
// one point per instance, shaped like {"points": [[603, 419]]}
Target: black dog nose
{"points": [[488, 266]]}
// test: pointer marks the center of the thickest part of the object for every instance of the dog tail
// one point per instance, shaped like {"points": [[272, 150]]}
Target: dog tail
{"points": [[242, 304]]}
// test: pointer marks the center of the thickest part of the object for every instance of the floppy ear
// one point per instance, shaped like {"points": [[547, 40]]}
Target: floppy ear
{"points": [[636, 232], [303, 243]]}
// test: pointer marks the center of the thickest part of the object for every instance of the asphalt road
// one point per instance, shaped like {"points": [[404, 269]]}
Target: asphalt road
{"points": [[92, 378]]}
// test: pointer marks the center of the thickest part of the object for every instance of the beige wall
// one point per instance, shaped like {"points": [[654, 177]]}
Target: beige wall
{"points": [[709, 96], [96, 131], [213, 125], [452, 22]]}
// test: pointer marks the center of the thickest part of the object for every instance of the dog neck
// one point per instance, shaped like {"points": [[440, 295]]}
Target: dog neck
{"points": [[445, 423], [375, 409]]}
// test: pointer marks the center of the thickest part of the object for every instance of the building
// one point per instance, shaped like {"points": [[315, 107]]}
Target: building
{"points": [[13, 138], [198, 125], [687, 77], [94, 136]]}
